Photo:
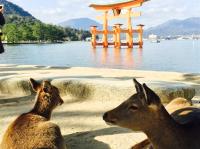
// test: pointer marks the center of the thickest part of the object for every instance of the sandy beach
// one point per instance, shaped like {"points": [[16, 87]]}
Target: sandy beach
{"points": [[88, 93]]}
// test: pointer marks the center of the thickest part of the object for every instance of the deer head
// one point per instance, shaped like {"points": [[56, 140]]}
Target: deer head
{"points": [[48, 96], [136, 112]]}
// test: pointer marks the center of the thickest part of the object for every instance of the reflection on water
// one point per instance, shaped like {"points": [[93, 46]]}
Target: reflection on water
{"points": [[129, 57], [114, 57], [173, 55]]}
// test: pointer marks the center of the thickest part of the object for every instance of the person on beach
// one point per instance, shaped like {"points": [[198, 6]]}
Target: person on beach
{"points": [[2, 22]]}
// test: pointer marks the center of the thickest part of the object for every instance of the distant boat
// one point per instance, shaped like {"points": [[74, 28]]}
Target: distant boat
{"points": [[155, 41], [154, 38]]}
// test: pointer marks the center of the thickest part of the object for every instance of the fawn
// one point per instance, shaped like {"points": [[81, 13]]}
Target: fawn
{"points": [[144, 111], [33, 130]]}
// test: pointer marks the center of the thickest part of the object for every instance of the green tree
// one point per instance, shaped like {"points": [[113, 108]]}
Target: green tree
{"points": [[28, 29], [12, 33], [38, 30], [85, 34], [25, 32]]}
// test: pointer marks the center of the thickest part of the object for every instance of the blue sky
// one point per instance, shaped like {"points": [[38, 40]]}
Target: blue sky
{"points": [[153, 12]]}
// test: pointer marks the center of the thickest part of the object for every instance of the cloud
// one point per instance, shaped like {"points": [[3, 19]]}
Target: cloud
{"points": [[153, 12]]}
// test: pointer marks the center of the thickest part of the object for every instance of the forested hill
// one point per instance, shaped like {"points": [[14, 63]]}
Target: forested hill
{"points": [[11, 9], [21, 26], [13, 13]]}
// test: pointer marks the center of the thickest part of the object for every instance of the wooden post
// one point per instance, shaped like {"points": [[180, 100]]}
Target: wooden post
{"points": [[140, 36], [93, 31], [105, 30], [129, 36], [118, 36]]}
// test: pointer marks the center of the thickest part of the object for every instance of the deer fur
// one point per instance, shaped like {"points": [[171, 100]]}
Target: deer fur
{"points": [[174, 105], [33, 130], [144, 112], [145, 144]]}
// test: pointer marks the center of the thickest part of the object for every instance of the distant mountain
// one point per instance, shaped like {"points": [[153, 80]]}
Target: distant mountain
{"points": [[176, 27], [172, 27], [15, 14], [12, 9], [81, 23]]}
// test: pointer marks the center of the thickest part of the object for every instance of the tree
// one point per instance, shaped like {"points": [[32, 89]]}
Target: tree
{"points": [[27, 29], [85, 34], [12, 33], [38, 31], [25, 32]]}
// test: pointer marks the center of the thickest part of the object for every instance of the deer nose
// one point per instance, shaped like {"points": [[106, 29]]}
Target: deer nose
{"points": [[61, 101], [105, 116]]}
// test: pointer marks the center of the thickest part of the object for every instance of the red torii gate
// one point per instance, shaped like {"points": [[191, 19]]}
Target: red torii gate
{"points": [[117, 30]]}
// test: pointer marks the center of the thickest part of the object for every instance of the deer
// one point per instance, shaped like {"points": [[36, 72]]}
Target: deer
{"points": [[33, 130], [143, 111], [175, 104]]}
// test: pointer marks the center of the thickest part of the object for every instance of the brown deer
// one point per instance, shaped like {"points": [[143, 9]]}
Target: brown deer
{"points": [[144, 111], [33, 130], [174, 105]]}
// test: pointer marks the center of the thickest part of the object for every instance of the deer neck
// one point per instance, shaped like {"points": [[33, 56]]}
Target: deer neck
{"points": [[166, 132], [41, 109]]}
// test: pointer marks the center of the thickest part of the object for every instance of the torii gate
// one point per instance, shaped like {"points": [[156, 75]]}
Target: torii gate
{"points": [[117, 30]]}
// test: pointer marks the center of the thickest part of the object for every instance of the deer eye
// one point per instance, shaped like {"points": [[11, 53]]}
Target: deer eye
{"points": [[133, 108], [45, 90]]}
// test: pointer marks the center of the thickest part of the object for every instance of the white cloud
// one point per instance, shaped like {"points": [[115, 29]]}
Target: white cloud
{"points": [[153, 12]]}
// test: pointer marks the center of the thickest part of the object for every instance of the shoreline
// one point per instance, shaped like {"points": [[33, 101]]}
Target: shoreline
{"points": [[42, 42], [6, 43], [112, 72], [106, 68]]}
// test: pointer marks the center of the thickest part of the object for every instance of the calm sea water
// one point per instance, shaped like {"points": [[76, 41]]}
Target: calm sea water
{"points": [[180, 56]]}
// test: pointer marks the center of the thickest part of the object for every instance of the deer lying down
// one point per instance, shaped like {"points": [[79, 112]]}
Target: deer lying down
{"points": [[33, 130], [174, 105], [144, 111]]}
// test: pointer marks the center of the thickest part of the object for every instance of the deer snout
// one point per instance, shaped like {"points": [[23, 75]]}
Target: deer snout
{"points": [[108, 119], [105, 116], [61, 101]]}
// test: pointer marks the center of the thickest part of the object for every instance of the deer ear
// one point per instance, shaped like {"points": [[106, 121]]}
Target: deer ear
{"points": [[35, 85], [140, 91], [138, 86], [151, 96]]}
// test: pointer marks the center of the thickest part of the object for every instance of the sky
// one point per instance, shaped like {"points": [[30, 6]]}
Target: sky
{"points": [[154, 12]]}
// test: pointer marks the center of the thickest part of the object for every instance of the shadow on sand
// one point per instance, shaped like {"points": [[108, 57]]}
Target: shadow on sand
{"points": [[86, 140]]}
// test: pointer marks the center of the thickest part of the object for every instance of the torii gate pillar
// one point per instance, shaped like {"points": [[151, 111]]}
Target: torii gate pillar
{"points": [[105, 30], [129, 36], [94, 34], [140, 35]]}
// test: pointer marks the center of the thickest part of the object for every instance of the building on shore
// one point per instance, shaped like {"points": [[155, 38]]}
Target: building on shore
{"points": [[154, 38]]}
